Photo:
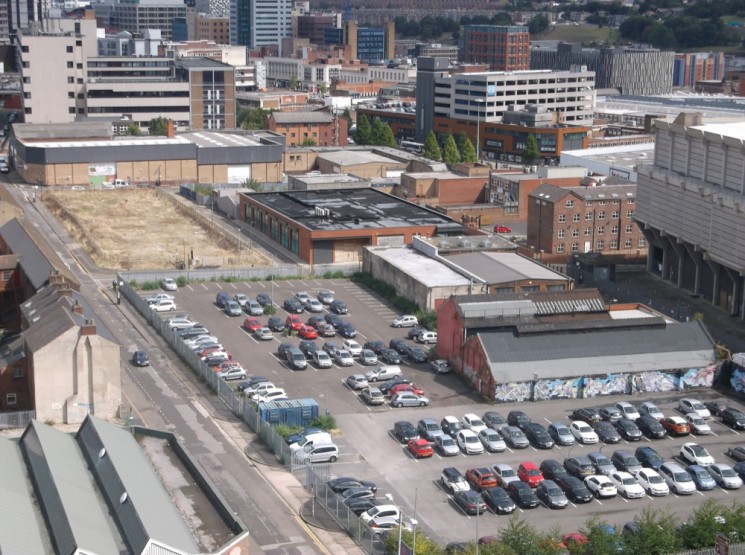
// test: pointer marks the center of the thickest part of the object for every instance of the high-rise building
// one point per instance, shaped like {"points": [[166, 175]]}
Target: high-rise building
{"points": [[136, 16], [257, 23], [501, 47], [371, 44], [23, 14], [312, 26], [692, 67]]}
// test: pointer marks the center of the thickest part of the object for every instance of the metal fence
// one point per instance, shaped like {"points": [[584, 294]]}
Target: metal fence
{"points": [[18, 419]]}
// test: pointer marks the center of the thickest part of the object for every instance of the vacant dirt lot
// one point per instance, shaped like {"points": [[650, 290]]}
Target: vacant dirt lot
{"points": [[140, 229]]}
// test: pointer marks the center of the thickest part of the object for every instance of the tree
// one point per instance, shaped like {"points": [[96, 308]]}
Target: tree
{"points": [[134, 129], [308, 142], [377, 132], [363, 136], [530, 152], [323, 88], [347, 115], [701, 529], [252, 118], [431, 148], [158, 126], [424, 544], [656, 533], [602, 538], [293, 82], [450, 154], [538, 24], [467, 152], [520, 536], [252, 184], [387, 138]]}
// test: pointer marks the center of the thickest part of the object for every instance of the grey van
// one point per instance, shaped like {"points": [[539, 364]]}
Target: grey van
{"points": [[296, 359]]}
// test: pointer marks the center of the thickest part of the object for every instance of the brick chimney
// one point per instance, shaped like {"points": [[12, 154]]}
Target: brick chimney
{"points": [[77, 308], [63, 290], [89, 328], [170, 133], [56, 279]]}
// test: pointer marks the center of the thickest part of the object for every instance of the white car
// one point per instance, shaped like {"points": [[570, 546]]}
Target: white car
{"points": [[626, 485], [276, 394], [241, 299], [383, 373], [166, 305], [472, 422], [197, 341], [469, 442], [698, 424], [628, 410], [342, 357], [322, 359], [406, 321], [381, 511], [169, 284], [259, 389], [492, 440], [159, 297], [583, 433], [180, 323], [725, 476], [693, 453], [601, 486], [652, 482], [264, 334], [693, 405], [352, 346], [648, 407], [677, 478]]}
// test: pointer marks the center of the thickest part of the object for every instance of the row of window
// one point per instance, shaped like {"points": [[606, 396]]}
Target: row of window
{"points": [[590, 216], [600, 245], [570, 203], [561, 233]]}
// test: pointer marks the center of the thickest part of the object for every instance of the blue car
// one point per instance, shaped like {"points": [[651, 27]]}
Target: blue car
{"points": [[701, 477]]}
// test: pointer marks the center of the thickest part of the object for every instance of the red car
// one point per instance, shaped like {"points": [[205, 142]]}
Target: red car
{"points": [[294, 322], [676, 426], [209, 350], [252, 324], [420, 448], [481, 478], [529, 473], [308, 332], [407, 387], [502, 229]]}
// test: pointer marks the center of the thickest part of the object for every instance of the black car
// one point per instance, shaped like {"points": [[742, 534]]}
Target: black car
{"points": [[385, 387], [580, 466], [404, 431], [250, 382], [538, 436], [275, 323], [585, 415], [415, 331], [352, 494], [389, 356], [606, 432], [334, 319], [359, 506], [451, 427], [283, 349], [494, 420], [330, 347], [736, 453], [470, 501], [308, 347], [574, 489], [522, 494], [192, 332], [338, 307], [140, 358], [733, 418], [550, 493], [499, 501], [649, 457], [213, 361], [518, 418], [740, 469], [347, 330], [553, 469], [399, 345], [628, 430], [293, 306], [316, 319], [416, 355], [264, 299], [716, 408], [650, 427], [375, 345], [340, 485]]}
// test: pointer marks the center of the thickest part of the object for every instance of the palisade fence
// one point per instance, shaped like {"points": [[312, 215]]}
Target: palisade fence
{"points": [[239, 405], [18, 419]]}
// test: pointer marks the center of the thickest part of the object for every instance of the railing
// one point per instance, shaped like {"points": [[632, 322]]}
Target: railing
{"points": [[18, 419]]}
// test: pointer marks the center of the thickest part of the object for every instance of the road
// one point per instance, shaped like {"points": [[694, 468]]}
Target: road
{"points": [[169, 397]]}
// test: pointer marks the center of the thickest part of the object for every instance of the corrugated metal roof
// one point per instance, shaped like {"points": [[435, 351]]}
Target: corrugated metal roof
{"points": [[33, 262], [155, 512], [504, 267], [22, 531]]}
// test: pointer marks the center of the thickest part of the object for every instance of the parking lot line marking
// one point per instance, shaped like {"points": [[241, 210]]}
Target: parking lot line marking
{"points": [[573, 505], [218, 285], [205, 287], [701, 494], [233, 285], [724, 490], [624, 499], [262, 284], [598, 502], [190, 287]]}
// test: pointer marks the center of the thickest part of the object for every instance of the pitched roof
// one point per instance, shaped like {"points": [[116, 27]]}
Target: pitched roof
{"points": [[504, 267], [302, 117]]}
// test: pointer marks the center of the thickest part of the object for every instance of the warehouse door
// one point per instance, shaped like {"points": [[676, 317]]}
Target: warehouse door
{"points": [[349, 250]]}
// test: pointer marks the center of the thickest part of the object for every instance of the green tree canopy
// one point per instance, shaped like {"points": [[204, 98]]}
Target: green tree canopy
{"points": [[134, 129], [377, 131], [308, 141], [450, 154], [467, 152], [431, 148], [158, 126], [530, 152], [656, 534], [386, 136], [538, 24], [363, 136], [347, 115], [252, 118]]}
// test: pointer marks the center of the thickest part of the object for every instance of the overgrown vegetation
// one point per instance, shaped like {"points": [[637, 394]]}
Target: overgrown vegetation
{"points": [[426, 318], [252, 118], [158, 126], [324, 421]]}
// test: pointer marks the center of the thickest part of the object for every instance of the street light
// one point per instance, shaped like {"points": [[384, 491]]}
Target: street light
{"points": [[479, 102]]}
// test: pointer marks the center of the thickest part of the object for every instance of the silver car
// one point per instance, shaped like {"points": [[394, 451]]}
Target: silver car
{"points": [[492, 440], [514, 437], [407, 399], [357, 381], [368, 357], [254, 308], [446, 446], [373, 396]]}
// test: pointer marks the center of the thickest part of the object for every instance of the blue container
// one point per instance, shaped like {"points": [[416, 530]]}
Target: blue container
{"points": [[293, 412]]}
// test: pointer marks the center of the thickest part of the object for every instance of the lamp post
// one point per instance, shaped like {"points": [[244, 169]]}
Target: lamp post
{"points": [[479, 102]]}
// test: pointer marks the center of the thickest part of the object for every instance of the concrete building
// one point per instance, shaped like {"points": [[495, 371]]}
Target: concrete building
{"points": [[500, 47], [436, 50], [257, 23], [334, 225], [690, 209], [569, 344], [466, 184], [644, 72], [595, 218], [136, 16], [371, 44], [208, 27], [23, 15], [692, 67], [318, 128], [124, 43], [316, 180], [312, 26]]}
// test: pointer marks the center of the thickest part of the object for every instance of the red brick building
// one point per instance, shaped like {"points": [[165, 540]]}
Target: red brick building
{"points": [[309, 128], [501, 47]]}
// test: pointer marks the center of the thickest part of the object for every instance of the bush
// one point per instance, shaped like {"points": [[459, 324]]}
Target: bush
{"points": [[270, 309], [284, 430], [333, 275], [181, 281], [150, 285], [324, 421], [133, 284]]}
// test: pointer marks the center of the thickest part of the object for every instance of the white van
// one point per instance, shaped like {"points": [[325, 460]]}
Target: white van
{"points": [[318, 437], [318, 452]]}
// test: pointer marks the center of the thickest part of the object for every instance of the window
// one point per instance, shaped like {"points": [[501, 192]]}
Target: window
{"points": [[588, 203], [629, 229], [68, 49], [599, 245], [614, 244], [601, 215], [575, 247], [630, 201], [570, 204], [561, 234], [627, 243], [69, 65], [575, 233], [575, 218], [588, 216], [562, 218], [642, 242], [560, 248], [614, 230], [18, 372], [630, 214], [601, 230], [601, 203], [70, 80], [10, 398], [615, 214], [588, 231]]}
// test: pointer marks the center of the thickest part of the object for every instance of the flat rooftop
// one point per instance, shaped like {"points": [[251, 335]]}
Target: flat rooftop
{"points": [[504, 267], [626, 156], [427, 271], [202, 139], [355, 157], [312, 179], [734, 130], [339, 209], [207, 139]]}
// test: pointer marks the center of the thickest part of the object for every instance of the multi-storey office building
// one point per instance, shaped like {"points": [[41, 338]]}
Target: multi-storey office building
{"points": [[257, 23], [138, 15], [692, 67], [312, 25], [501, 47]]}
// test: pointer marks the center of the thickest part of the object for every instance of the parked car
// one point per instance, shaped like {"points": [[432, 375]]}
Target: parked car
{"points": [[275, 323], [232, 308], [606, 432], [233, 373], [325, 296], [427, 337], [405, 321], [602, 463], [499, 501], [523, 495], [283, 350], [419, 448], [383, 373], [322, 359], [628, 410], [415, 332], [502, 229], [329, 347], [294, 322], [159, 297], [333, 319], [346, 330], [611, 414], [736, 453], [252, 323], [372, 396], [648, 457], [733, 418], [472, 422], [538, 436], [446, 446], [518, 418], [698, 425], [650, 409], [514, 437], [168, 284], [553, 469], [529, 473], [677, 479], [416, 355], [493, 442], [165, 305], [440, 366], [583, 433], [481, 478], [342, 357], [453, 481], [307, 332], [368, 358], [375, 345], [407, 399], [626, 461], [652, 482], [716, 408], [725, 476], [588, 415], [264, 299], [313, 306], [352, 494], [575, 489], [626, 485], [693, 453], [293, 306], [701, 477], [253, 308], [380, 512], [675, 426], [343, 483], [264, 334], [390, 384], [404, 430], [580, 466], [651, 427], [561, 434], [469, 442], [470, 501], [405, 387], [601, 486], [399, 345], [338, 307], [357, 381], [221, 299], [693, 405], [390, 356], [550, 493], [450, 425], [628, 429], [494, 420]]}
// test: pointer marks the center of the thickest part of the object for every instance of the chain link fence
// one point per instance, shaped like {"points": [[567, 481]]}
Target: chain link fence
{"points": [[18, 419]]}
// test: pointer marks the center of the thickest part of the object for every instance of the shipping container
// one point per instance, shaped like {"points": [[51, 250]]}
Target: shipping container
{"points": [[293, 412]]}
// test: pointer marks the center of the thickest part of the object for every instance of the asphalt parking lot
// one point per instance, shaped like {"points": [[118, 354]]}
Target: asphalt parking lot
{"points": [[369, 451]]}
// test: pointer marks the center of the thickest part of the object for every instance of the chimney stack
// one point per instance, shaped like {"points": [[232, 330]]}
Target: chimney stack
{"points": [[77, 308], [170, 133], [89, 328]]}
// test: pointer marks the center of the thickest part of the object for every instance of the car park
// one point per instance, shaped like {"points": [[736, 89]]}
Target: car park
{"points": [[368, 358], [470, 501], [357, 381], [736, 453], [583, 433], [372, 396], [693, 405], [383, 373], [574, 489], [514, 437], [587, 415], [168, 284], [677, 479], [390, 356], [733, 418], [626, 485], [692, 453], [698, 425], [611, 414], [420, 448], [580, 466], [701, 477], [650, 409], [405, 321], [446, 446], [407, 399], [650, 427], [499, 501], [628, 410], [538, 436], [472, 422], [481, 478], [550, 493], [627, 429], [606, 432], [338, 307], [505, 474], [264, 334], [648, 457], [322, 359], [529, 473], [561, 434], [492, 441], [440, 366], [523, 495], [140, 358], [602, 463], [626, 461], [343, 357], [552, 469], [652, 482], [675, 426], [165, 305], [453, 481], [601, 486], [725, 476], [469, 442], [404, 430], [494, 420]]}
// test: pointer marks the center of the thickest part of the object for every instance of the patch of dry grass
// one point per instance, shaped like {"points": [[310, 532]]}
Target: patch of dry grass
{"points": [[140, 229]]}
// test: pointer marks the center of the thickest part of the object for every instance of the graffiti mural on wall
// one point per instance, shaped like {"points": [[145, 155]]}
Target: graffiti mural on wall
{"points": [[557, 389], [699, 377], [655, 382], [738, 380], [612, 384], [512, 392]]}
